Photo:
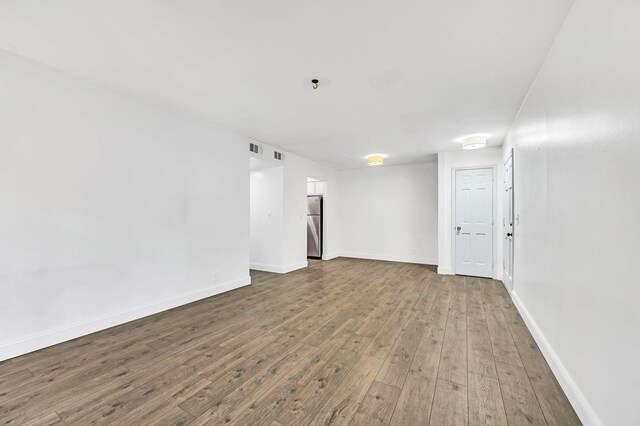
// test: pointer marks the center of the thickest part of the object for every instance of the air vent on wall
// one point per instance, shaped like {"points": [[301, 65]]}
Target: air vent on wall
{"points": [[278, 155], [255, 148]]}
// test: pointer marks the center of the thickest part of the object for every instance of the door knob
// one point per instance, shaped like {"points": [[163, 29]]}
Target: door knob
{"points": [[458, 228], [509, 234]]}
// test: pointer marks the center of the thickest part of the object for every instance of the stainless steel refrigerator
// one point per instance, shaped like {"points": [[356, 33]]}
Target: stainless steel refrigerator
{"points": [[314, 226]]}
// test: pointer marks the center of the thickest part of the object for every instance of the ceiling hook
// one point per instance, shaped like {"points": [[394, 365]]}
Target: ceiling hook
{"points": [[315, 83]]}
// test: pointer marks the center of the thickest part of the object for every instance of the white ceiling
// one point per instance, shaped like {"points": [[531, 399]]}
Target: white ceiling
{"points": [[406, 78]]}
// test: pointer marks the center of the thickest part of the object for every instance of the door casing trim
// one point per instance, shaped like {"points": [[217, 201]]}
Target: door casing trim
{"points": [[513, 213]]}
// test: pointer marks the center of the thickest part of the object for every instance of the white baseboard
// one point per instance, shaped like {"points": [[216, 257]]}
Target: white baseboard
{"points": [[583, 409], [387, 258], [266, 268], [279, 269], [330, 256], [445, 271], [504, 283], [294, 267], [506, 287], [59, 335]]}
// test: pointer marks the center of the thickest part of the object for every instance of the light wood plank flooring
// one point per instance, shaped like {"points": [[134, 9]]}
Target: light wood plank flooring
{"points": [[342, 342]]}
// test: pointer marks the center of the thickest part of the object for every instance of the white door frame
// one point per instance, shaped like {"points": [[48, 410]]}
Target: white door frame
{"points": [[509, 285], [494, 208]]}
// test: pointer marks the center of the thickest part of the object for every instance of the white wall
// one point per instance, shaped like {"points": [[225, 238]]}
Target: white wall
{"points": [[577, 166], [390, 212], [447, 162], [111, 208], [266, 213]]}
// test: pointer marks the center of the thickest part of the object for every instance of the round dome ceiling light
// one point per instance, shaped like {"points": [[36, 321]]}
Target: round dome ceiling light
{"points": [[474, 142], [375, 160]]}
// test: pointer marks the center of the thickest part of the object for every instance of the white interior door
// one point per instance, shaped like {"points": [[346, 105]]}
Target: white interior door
{"points": [[474, 222], [507, 224]]}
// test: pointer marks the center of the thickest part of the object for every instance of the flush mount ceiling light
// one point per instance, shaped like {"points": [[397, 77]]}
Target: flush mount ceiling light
{"points": [[474, 142], [375, 160]]}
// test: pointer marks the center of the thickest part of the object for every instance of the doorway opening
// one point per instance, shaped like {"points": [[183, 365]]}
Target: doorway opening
{"points": [[473, 219], [316, 190]]}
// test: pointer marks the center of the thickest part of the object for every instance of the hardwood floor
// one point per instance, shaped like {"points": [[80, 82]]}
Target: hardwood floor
{"points": [[342, 342]]}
